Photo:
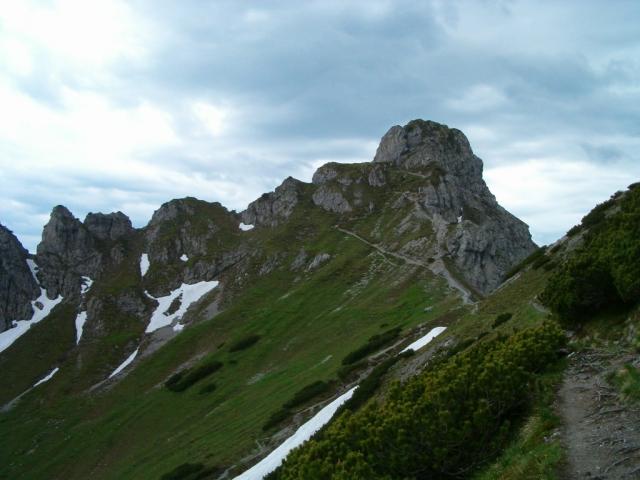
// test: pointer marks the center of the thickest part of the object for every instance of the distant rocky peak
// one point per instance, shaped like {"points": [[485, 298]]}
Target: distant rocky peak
{"points": [[110, 226], [175, 208], [63, 233], [274, 207], [424, 144]]}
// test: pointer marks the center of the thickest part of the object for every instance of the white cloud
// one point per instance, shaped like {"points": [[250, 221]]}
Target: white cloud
{"points": [[213, 119], [72, 34], [552, 194], [478, 98]]}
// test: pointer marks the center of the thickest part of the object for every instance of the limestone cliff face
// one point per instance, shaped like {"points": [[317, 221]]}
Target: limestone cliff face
{"points": [[480, 237], [189, 240], [471, 231], [274, 207], [71, 249], [17, 284]]}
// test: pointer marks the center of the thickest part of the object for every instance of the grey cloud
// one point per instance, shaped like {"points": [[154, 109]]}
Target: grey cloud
{"points": [[322, 81]]}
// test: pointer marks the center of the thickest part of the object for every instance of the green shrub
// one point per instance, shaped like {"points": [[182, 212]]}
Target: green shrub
{"points": [[368, 386], [276, 418], [185, 378], [244, 343], [373, 344], [190, 471], [346, 372], [502, 318], [534, 256], [574, 230], [605, 272], [301, 396], [441, 424], [307, 393]]}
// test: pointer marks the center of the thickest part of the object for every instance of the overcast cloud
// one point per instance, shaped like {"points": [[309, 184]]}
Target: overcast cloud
{"points": [[124, 105]]}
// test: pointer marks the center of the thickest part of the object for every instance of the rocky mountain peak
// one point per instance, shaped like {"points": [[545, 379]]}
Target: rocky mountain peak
{"points": [[421, 145], [110, 226], [18, 286], [274, 207]]}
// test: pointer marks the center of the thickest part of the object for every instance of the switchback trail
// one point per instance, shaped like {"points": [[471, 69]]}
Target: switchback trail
{"points": [[438, 267]]}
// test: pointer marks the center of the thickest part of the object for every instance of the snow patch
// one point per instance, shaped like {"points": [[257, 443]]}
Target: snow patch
{"points": [[124, 364], [178, 327], [184, 257], [421, 342], [144, 264], [246, 228], [34, 269], [20, 327], [190, 294], [304, 433], [47, 378], [86, 285], [460, 219], [81, 319]]}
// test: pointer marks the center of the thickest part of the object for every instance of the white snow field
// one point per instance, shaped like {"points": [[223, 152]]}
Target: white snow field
{"points": [[47, 378], [421, 342], [81, 319], [245, 228], [22, 326], [184, 257], [124, 364], [190, 294], [144, 264], [304, 433]]}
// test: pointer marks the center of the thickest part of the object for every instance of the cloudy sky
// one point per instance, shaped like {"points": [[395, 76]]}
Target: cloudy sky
{"points": [[122, 105]]}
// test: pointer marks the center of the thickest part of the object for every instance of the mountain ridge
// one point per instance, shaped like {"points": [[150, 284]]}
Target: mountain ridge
{"points": [[303, 276]]}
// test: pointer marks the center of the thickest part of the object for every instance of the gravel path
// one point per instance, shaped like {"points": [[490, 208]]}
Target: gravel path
{"points": [[601, 435]]}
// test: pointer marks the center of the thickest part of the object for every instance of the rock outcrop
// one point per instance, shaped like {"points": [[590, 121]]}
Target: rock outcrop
{"points": [[189, 240], [111, 226], [480, 237], [18, 286], [275, 207], [71, 249]]}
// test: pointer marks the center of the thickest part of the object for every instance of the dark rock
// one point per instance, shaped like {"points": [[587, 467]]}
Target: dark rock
{"points": [[274, 207], [17, 284], [111, 226]]}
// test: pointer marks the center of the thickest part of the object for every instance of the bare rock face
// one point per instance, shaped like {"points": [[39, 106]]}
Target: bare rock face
{"points": [[71, 249], [67, 252], [340, 187], [111, 226], [481, 238], [274, 207], [190, 240], [331, 199], [17, 284]]}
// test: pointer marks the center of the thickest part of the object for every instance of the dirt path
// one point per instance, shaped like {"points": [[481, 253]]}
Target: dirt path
{"points": [[601, 435], [438, 267]]}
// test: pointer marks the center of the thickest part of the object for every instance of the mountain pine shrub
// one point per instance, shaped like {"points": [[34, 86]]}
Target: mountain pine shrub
{"points": [[441, 424]]}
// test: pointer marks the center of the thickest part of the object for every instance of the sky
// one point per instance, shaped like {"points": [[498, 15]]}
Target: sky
{"points": [[124, 105]]}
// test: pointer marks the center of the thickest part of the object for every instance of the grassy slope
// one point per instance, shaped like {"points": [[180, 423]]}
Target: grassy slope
{"points": [[308, 323], [137, 430]]}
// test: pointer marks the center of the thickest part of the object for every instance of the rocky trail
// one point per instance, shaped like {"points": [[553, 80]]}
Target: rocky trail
{"points": [[601, 435], [438, 267]]}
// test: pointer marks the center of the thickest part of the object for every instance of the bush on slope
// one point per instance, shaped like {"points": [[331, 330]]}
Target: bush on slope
{"points": [[605, 272], [441, 424]]}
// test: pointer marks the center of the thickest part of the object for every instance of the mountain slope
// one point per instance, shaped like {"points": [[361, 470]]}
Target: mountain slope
{"points": [[402, 242]]}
